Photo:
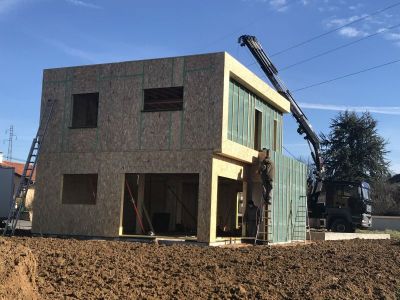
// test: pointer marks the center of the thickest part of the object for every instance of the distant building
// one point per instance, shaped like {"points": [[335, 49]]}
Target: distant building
{"points": [[180, 135], [10, 177], [18, 171]]}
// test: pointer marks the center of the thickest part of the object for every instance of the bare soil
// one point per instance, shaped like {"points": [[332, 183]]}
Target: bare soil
{"points": [[17, 272], [73, 269]]}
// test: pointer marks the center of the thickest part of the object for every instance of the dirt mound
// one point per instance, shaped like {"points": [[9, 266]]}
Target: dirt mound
{"points": [[72, 269], [17, 272]]}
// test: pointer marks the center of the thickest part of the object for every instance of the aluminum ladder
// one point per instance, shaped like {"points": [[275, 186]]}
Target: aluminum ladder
{"points": [[300, 222], [18, 201], [264, 224]]}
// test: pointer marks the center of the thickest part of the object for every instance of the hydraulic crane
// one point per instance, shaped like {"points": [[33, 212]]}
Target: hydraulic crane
{"points": [[342, 205], [304, 125]]}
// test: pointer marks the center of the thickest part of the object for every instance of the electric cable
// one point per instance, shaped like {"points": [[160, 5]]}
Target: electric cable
{"points": [[255, 20], [339, 47], [289, 152], [336, 29], [347, 75]]}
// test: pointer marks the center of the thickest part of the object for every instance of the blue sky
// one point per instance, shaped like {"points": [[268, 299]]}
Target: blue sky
{"points": [[39, 34]]}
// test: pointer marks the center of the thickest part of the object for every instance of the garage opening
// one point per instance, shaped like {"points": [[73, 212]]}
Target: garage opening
{"points": [[160, 204], [230, 207]]}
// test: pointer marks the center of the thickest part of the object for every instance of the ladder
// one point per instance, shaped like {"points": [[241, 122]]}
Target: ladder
{"points": [[300, 226], [264, 224], [18, 201]]}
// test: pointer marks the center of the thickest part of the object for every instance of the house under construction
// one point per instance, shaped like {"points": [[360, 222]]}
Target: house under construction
{"points": [[166, 145]]}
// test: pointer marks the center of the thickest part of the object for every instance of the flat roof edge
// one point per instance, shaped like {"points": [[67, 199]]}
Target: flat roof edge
{"points": [[255, 84]]}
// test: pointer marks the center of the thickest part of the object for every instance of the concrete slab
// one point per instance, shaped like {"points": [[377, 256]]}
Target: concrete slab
{"points": [[336, 236]]}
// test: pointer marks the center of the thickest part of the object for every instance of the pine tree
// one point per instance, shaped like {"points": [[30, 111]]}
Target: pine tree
{"points": [[354, 150]]}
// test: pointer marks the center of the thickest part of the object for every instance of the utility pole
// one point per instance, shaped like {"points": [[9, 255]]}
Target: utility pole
{"points": [[11, 136]]}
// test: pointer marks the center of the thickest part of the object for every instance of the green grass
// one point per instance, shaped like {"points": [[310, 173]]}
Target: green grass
{"points": [[394, 234]]}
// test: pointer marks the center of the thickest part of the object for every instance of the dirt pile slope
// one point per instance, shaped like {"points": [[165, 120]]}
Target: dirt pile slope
{"points": [[356, 269], [17, 272]]}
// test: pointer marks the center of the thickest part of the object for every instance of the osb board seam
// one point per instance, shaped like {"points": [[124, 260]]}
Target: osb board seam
{"points": [[96, 142], [170, 113], [126, 76], [133, 151], [184, 102], [140, 112]]}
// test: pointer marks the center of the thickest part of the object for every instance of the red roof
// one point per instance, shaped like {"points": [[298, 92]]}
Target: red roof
{"points": [[18, 168]]}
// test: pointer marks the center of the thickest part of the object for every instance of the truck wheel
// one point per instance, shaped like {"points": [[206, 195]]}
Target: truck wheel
{"points": [[340, 225]]}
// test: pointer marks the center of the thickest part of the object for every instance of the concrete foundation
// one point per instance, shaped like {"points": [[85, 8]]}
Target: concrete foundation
{"points": [[336, 236]]}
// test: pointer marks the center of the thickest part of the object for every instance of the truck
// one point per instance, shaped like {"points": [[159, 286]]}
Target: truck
{"points": [[340, 206]]}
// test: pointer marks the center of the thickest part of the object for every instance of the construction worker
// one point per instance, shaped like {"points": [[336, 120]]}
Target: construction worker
{"points": [[250, 217], [267, 173]]}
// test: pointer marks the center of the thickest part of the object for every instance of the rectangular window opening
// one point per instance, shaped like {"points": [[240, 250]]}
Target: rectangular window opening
{"points": [[275, 141], [85, 110], [257, 130], [163, 99], [79, 189]]}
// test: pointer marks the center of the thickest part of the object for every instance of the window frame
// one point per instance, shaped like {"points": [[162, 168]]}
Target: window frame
{"points": [[180, 102], [64, 194], [73, 107]]}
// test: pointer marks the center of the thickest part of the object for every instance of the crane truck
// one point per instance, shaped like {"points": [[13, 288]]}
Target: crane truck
{"points": [[340, 206]]}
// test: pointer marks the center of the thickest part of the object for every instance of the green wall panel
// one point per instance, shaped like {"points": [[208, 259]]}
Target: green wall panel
{"points": [[288, 215], [241, 116], [288, 220]]}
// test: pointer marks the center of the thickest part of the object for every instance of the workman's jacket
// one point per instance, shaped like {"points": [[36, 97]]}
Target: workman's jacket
{"points": [[250, 215]]}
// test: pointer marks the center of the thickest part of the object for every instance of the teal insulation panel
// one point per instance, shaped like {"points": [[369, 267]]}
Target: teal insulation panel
{"points": [[288, 209], [241, 116]]}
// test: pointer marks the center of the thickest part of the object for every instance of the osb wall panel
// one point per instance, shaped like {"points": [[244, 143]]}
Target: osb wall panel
{"points": [[53, 90], [130, 125], [102, 219], [81, 140], [51, 216], [204, 82], [200, 62], [176, 129], [156, 130], [85, 79], [121, 124], [120, 111], [127, 140], [178, 71], [158, 73], [198, 118]]}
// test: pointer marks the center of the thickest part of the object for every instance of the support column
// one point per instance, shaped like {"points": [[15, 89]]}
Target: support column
{"points": [[208, 196], [140, 203], [205, 231]]}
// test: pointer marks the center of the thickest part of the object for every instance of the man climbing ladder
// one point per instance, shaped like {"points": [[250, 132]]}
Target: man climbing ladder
{"points": [[267, 173]]}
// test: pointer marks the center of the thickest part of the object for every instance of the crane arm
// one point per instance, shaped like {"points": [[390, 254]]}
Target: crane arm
{"points": [[304, 125]]}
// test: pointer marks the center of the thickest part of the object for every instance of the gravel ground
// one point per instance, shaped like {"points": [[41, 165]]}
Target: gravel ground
{"points": [[76, 269]]}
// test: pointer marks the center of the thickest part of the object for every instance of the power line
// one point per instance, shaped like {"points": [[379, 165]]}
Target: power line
{"points": [[339, 47], [289, 152], [336, 29], [255, 20], [347, 75]]}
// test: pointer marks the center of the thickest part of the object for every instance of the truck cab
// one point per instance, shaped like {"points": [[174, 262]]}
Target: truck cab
{"points": [[347, 205]]}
